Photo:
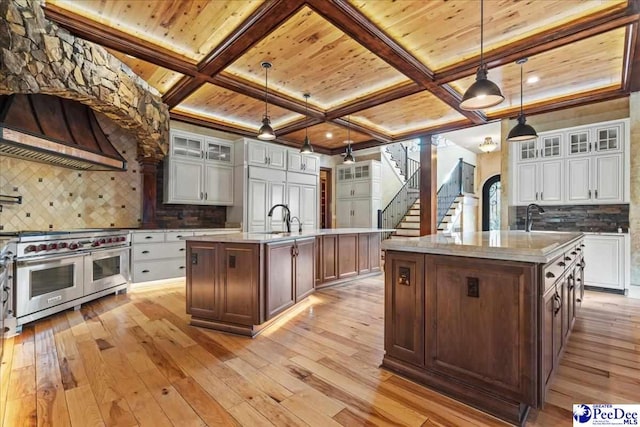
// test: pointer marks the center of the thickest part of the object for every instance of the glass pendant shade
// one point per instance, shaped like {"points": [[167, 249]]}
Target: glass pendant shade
{"points": [[349, 157], [488, 145], [483, 93], [522, 131], [266, 132]]}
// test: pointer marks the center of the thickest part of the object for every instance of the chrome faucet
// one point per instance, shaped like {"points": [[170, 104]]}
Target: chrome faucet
{"points": [[529, 219], [287, 215], [299, 223]]}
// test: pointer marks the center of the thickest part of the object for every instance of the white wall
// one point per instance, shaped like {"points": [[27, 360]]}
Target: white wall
{"points": [[390, 180], [448, 157]]}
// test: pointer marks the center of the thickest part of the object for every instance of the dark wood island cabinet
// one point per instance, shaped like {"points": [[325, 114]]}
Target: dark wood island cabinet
{"points": [[242, 282], [482, 317]]}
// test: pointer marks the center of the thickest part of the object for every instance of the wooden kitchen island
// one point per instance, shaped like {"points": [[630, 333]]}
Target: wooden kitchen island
{"points": [[241, 282], [482, 317]]}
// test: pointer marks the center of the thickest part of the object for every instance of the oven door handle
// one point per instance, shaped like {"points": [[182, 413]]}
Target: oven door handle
{"points": [[116, 249], [33, 260]]}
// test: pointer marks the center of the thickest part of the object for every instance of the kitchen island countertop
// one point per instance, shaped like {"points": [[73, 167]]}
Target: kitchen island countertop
{"points": [[277, 236], [536, 246]]}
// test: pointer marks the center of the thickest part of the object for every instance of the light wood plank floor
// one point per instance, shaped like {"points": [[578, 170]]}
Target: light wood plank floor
{"points": [[133, 360]]}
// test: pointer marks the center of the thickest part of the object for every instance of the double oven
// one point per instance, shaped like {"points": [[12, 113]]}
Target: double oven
{"points": [[58, 271]]}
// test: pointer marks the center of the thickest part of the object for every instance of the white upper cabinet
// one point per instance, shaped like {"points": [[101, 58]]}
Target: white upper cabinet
{"points": [[358, 194], [303, 163], [585, 165], [267, 155], [198, 170]]}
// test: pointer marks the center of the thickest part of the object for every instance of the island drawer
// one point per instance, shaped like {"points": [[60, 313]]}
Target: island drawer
{"points": [[552, 271]]}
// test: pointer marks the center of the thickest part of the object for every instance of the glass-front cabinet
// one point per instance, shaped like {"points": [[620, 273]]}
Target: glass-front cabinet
{"points": [[528, 150], [551, 146]]}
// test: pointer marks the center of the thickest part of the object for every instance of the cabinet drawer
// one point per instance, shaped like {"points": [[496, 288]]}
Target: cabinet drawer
{"points": [[157, 270], [174, 236], [148, 237], [553, 270], [153, 251]]}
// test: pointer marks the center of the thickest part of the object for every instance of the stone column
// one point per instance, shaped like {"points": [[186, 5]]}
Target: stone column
{"points": [[634, 205], [149, 167]]}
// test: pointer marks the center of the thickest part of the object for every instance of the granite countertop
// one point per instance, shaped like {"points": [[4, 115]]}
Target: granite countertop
{"points": [[537, 246], [162, 230], [268, 236]]}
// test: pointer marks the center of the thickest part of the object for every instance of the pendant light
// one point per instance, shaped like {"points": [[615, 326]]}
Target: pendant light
{"points": [[488, 145], [483, 93], [348, 155], [522, 131], [306, 146], [266, 132]]}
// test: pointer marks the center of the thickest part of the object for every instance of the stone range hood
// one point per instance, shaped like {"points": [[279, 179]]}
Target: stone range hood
{"points": [[57, 131]]}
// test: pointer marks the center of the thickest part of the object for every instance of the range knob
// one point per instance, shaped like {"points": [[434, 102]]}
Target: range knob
{"points": [[42, 247], [30, 248], [96, 243], [109, 240], [52, 246], [122, 239], [73, 246], [62, 245]]}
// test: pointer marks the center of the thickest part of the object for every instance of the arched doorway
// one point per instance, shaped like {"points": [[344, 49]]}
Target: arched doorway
{"points": [[491, 204]]}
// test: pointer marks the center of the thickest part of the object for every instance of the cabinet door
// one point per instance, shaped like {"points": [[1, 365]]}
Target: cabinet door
{"points": [[187, 146], [362, 215], [202, 280], [329, 258], [571, 299], [345, 190], [218, 185], [277, 157], [258, 204], [551, 146], [551, 181], [374, 251], [277, 192], [239, 280], [558, 327], [578, 171], [311, 164], [549, 306], [257, 153], [305, 267], [527, 150], [564, 309], [604, 261], [185, 180], [345, 173], [294, 198], [308, 207], [608, 138], [218, 151], [526, 189], [347, 255], [579, 142], [361, 171], [295, 160], [608, 178], [280, 293], [404, 320], [343, 213], [361, 189]]}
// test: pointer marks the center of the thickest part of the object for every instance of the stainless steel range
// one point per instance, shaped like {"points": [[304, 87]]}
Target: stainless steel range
{"points": [[57, 270]]}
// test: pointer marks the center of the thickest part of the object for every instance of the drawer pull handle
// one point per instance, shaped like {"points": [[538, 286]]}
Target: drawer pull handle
{"points": [[178, 236], [562, 264], [145, 252], [181, 250], [181, 267], [574, 252], [148, 237], [578, 249], [567, 258], [550, 275], [145, 271]]}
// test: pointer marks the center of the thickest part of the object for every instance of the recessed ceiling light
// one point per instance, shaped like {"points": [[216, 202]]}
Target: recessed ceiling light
{"points": [[533, 79], [329, 135], [129, 56]]}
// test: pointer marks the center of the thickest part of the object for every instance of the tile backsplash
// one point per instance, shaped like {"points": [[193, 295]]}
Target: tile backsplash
{"points": [[56, 198], [594, 218]]}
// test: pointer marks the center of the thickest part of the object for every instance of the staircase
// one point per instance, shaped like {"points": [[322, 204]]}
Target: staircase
{"points": [[410, 224], [448, 223]]}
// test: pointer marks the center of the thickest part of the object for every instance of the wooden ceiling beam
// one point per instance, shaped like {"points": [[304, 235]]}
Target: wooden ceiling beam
{"points": [[357, 146], [375, 99], [299, 125], [182, 89], [257, 92], [571, 32], [349, 20], [569, 101], [631, 71], [269, 16], [434, 130], [382, 137], [296, 144], [119, 40]]}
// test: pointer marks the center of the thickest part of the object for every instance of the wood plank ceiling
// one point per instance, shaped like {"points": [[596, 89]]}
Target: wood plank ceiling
{"points": [[392, 69]]}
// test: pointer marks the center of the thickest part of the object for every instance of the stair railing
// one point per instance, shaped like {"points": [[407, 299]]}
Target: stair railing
{"points": [[398, 153], [395, 211], [460, 182]]}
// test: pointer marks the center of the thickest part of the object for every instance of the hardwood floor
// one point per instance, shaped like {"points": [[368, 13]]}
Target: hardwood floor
{"points": [[133, 360]]}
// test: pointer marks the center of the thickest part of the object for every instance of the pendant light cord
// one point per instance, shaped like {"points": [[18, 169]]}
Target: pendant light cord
{"points": [[481, 33], [521, 77], [306, 112], [266, 91]]}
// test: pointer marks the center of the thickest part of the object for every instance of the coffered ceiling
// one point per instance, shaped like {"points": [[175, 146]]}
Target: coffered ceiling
{"points": [[390, 70]]}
